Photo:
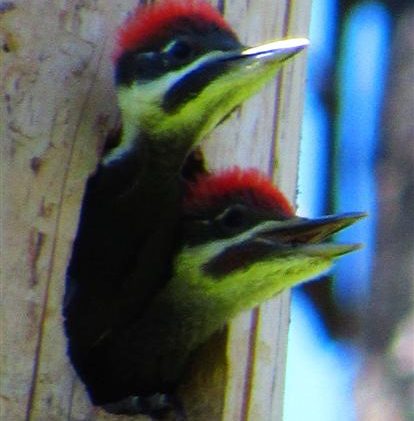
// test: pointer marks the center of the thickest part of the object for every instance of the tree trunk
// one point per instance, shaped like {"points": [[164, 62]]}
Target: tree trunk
{"points": [[58, 106]]}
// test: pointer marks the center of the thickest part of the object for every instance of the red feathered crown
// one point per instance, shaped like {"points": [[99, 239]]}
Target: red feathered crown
{"points": [[247, 186], [151, 21]]}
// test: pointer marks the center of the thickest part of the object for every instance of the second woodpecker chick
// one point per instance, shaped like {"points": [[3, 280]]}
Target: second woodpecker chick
{"points": [[240, 244]]}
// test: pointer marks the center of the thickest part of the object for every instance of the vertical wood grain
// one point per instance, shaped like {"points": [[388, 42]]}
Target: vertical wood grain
{"points": [[57, 106], [265, 134]]}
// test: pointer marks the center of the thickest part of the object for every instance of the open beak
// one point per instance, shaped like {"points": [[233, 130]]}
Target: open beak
{"points": [[242, 71], [307, 236], [294, 238]]}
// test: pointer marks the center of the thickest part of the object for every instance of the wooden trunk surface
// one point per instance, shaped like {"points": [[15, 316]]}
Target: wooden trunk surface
{"points": [[57, 106]]}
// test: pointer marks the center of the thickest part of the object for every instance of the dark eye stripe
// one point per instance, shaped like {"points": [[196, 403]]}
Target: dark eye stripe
{"points": [[160, 57], [191, 85], [236, 257]]}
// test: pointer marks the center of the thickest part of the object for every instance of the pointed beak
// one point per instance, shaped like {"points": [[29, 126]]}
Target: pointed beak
{"points": [[277, 51], [236, 74], [294, 240], [307, 236]]}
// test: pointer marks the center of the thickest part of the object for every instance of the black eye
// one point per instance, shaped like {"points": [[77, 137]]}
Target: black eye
{"points": [[233, 219], [179, 50]]}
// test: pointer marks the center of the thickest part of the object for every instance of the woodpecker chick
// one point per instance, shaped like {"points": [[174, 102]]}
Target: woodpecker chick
{"points": [[179, 71], [240, 244]]}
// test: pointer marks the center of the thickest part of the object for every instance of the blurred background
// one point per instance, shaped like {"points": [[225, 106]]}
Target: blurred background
{"points": [[351, 343]]}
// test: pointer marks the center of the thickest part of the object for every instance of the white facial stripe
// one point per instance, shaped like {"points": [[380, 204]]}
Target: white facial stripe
{"points": [[150, 94], [141, 104], [213, 249], [143, 100]]}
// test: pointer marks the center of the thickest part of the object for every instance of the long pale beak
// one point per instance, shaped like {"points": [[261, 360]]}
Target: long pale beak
{"points": [[235, 74], [306, 236], [292, 239], [277, 50]]}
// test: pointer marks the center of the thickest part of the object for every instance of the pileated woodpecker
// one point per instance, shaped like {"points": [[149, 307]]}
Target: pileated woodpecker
{"points": [[179, 71], [240, 243]]}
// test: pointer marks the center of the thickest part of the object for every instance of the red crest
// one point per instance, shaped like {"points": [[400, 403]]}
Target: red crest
{"points": [[250, 186], [148, 22]]}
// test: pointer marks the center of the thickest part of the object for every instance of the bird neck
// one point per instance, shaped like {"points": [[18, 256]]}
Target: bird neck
{"points": [[146, 161], [192, 306], [225, 296], [180, 320]]}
